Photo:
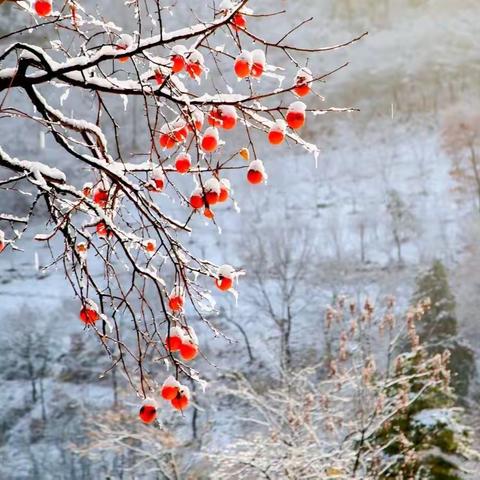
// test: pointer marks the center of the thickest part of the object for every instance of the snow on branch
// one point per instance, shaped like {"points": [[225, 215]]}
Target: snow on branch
{"points": [[205, 96]]}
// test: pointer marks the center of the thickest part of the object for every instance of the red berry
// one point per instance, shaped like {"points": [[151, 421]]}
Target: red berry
{"points": [[208, 213], [210, 140], [223, 197], [148, 412], [159, 77], [175, 303], [295, 120], [181, 401], [173, 343], [183, 163], [302, 90], [257, 70], [224, 283], [100, 197], [43, 7], [196, 199], [178, 63], [89, 313], [258, 67], [296, 115], [242, 68], [159, 183], [212, 197], [188, 351], [195, 70], [103, 230], [167, 140], [170, 388], [255, 177], [239, 21], [276, 137]]}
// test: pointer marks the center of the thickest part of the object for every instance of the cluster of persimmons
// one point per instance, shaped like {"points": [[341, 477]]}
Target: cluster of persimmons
{"points": [[181, 340]]}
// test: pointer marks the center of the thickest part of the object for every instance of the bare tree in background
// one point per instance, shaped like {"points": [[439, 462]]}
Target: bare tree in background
{"points": [[117, 218], [28, 353], [402, 221], [281, 285], [461, 141]]}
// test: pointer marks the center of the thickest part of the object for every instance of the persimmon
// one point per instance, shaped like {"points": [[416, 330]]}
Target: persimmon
{"points": [[148, 411], [176, 299], [188, 351], [296, 115], [126, 41], [229, 117], [243, 64], [43, 7], [167, 140], [102, 230], [225, 277], [212, 190], [170, 388], [210, 140], [158, 179], [87, 189], [239, 21], [224, 283], [182, 400], [276, 135], [100, 196], [224, 116], [196, 199], [195, 64], [89, 312], [178, 58], [81, 248], [174, 339], [183, 162], [189, 346], [256, 172], [208, 213], [198, 118], [180, 130], [224, 190], [258, 65], [303, 82], [150, 245], [214, 118], [159, 76], [195, 70]]}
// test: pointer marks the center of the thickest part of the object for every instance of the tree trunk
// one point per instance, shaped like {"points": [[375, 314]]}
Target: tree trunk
{"points": [[245, 337], [398, 244], [362, 243], [473, 161]]}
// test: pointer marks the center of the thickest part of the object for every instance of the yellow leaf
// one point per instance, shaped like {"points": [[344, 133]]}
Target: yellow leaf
{"points": [[334, 472], [245, 154]]}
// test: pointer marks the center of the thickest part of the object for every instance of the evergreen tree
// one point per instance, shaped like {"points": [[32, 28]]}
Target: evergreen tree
{"points": [[422, 436], [438, 328]]}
